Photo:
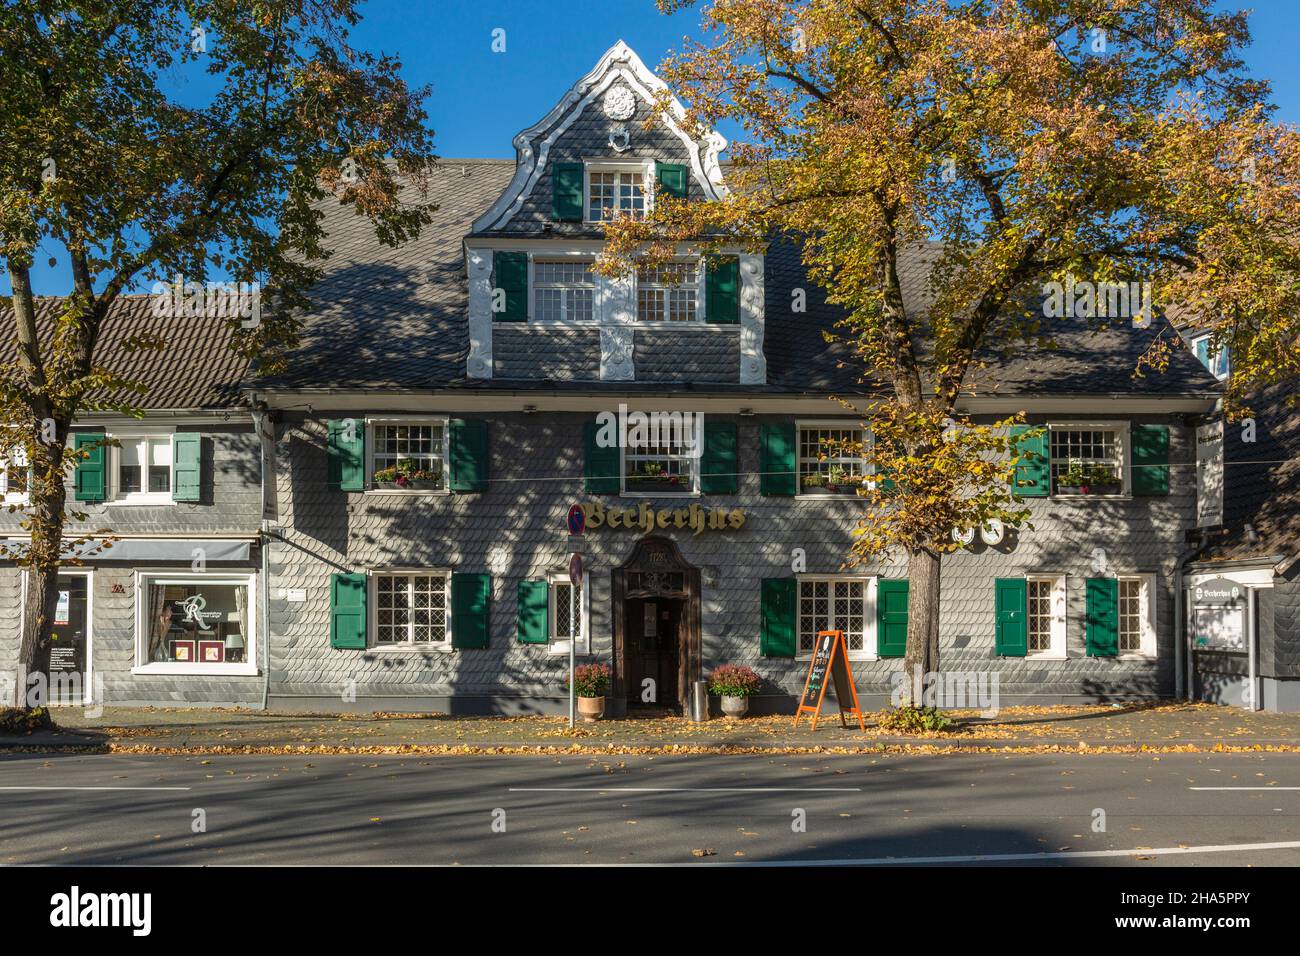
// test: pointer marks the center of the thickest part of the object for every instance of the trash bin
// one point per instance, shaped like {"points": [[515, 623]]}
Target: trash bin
{"points": [[699, 709]]}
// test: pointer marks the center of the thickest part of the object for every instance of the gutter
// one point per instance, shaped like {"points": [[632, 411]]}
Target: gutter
{"points": [[258, 414]]}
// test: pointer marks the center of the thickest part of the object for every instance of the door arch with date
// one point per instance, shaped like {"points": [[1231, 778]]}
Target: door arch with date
{"points": [[656, 618]]}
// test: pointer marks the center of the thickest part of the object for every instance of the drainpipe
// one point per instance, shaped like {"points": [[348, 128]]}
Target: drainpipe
{"points": [[264, 538], [1184, 679], [1252, 636]]}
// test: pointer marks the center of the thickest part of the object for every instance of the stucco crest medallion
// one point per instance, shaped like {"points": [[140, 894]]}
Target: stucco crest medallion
{"points": [[619, 103], [619, 138]]}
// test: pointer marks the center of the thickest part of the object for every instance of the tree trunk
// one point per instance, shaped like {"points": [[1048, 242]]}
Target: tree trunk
{"points": [[48, 497], [922, 654]]}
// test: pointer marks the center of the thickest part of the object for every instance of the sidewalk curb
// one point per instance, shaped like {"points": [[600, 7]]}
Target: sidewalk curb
{"points": [[873, 748]]}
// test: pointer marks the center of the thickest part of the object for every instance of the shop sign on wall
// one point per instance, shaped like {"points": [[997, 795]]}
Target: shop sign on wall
{"points": [[646, 519]]}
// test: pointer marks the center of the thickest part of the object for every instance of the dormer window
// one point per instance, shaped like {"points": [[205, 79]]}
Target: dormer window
{"points": [[615, 190]]}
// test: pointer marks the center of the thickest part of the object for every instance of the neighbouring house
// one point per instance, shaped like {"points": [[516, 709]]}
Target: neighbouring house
{"points": [[166, 612], [1243, 582]]}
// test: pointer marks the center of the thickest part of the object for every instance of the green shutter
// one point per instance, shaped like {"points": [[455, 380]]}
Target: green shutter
{"points": [[777, 460], [778, 617], [722, 290], [1150, 459], [510, 275], [470, 596], [891, 617], [1010, 606], [468, 453], [566, 192], [187, 466], [1034, 472], [89, 482], [346, 454], [534, 612], [600, 469], [718, 467], [348, 611], [1101, 620], [672, 179]]}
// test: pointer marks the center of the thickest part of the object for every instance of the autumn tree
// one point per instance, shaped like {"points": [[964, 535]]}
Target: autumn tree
{"points": [[152, 140], [1024, 142]]}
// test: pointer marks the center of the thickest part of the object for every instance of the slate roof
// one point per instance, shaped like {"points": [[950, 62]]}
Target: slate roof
{"points": [[1262, 479], [387, 318], [197, 369]]}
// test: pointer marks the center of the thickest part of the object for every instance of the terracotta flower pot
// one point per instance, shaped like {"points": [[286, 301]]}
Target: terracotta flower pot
{"points": [[591, 709], [735, 707]]}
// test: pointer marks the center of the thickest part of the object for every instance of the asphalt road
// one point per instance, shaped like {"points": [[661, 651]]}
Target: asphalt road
{"points": [[1021, 810]]}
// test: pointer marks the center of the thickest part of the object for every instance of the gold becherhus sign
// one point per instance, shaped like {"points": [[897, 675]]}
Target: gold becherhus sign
{"points": [[647, 519]]}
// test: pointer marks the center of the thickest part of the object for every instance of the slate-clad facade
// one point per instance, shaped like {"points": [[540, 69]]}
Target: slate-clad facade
{"points": [[455, 596], [401, 534]]}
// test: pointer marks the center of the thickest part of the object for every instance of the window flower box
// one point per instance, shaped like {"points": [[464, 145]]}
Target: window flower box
{"points": [[1088, 479], [405, 476]]}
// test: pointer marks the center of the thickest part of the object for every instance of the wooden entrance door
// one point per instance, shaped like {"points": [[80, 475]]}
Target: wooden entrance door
{"points": [[653, 649]]}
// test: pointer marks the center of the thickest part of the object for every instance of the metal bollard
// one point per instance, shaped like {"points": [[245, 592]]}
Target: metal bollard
{"points": [[699, 709]]}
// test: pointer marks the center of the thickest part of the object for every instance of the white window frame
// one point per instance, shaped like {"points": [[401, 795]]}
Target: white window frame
{"points": [[16, 458], [556, 645], [116, 437], [164, 576], [700, 298], [697, 459], [869, 636], [1147, 616], [1058, 604], [645, 168], [1121, 428], [1222, 358], [372, 612], [442, 420], [557, 258], [815, 424]]}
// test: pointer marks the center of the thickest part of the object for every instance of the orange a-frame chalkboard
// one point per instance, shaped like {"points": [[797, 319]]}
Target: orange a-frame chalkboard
{"points": [[831, 655]]}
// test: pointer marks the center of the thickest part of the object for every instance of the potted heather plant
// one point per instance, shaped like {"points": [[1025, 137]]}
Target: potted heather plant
{"points": [[590, 682], [735, 684], [406, 476]]}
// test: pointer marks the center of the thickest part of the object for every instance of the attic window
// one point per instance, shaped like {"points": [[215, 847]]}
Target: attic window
{"points": [[614, 191]]}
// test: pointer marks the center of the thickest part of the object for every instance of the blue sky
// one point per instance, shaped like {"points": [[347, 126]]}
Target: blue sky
{"points": [[481, 98]]}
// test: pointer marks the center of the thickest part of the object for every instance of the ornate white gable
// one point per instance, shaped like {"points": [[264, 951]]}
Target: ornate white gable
{"points": [[615, 82]]}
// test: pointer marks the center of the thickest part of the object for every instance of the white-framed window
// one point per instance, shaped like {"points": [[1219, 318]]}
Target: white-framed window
{"points": [[410, 609], [140, 466], [1219, 363], [569, 614], [1137, 616], [14, 476], [195, 623], [838, 603], [617, 189], [667, 463], [668, 292], [1089, 458], [564, 290], [407, 455], [1045, 616], [827, 464]]}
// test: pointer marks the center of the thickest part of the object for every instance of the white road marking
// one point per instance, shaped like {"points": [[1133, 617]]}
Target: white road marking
{"points": [[1010, 857], [1243, 788], [96, 788], [685, 789]]}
